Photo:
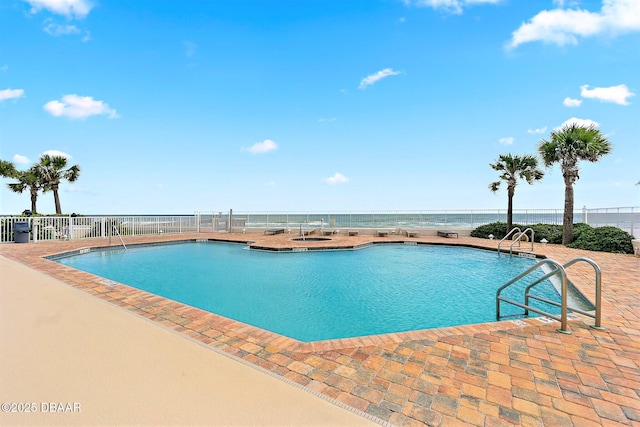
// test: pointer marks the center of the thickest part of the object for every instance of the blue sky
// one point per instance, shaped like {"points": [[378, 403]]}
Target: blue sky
{"points": [[314, 105]]}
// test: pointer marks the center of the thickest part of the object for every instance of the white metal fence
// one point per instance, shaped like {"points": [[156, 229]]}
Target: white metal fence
{"points": [[625, 218], [81, 227]]}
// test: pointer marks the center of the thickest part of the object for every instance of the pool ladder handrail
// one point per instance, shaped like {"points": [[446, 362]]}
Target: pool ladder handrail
{"points": [[517, 239], [303, 231], [114, 228], [557, 269]]}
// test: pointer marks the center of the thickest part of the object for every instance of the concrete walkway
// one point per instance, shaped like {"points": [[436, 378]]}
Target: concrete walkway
{"points": [[109, 367]]}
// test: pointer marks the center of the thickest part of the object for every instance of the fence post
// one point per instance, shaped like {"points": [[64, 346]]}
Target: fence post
{"points": [[585, 218]]}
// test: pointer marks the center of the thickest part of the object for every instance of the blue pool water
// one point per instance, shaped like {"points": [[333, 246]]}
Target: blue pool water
{"points": [[320, 295]]}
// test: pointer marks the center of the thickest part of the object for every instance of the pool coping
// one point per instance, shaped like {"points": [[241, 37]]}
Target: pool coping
{"points": [[288, 343]]}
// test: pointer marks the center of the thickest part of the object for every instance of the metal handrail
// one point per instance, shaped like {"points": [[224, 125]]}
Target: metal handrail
{"points": [[514, 229], [114, 228], [557, 269], [518, 239], [303, 231], [598, 285]]}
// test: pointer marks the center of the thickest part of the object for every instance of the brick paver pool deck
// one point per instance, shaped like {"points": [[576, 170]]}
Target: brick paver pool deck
{"points": [[494, 374]]}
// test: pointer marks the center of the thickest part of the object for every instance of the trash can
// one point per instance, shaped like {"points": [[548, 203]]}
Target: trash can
{"points": [[21, 232]]}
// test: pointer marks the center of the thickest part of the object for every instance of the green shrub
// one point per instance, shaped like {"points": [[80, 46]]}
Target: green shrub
{"points": [[551, 232], [498, 229], [603, 239], [580, 228]]}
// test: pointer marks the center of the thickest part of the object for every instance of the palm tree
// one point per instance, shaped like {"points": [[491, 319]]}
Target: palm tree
{"points": [[52, 171], [512, 168], [28, 179], [7, 170], [568, 146]]}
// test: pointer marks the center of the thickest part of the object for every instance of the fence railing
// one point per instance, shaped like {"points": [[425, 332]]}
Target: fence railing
{"points": [[81, 227], [84, 227], [627, 218]]}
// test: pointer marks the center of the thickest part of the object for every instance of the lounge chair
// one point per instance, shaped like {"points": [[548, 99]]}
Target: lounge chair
{"points": [[272, 231], [447, 233], [329, 232]]}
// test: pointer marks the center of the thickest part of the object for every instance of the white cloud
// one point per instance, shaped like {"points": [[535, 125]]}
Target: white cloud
{"points": [[506, 140], [4, 68], [616, 94], [579, 122], [57, 153], [19, 159], [564, 26], [452, 6], [570, 102], [337, 178], [79, 107], [537, 131], [55, 30], [263, 147], [567, 3], [11, 94], [373, 78], [68, 8]]}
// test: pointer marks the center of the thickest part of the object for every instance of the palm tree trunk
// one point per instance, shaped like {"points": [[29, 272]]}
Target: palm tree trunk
{"points": [[510, 192], [567, 219], [56, 199], [34, 199]]}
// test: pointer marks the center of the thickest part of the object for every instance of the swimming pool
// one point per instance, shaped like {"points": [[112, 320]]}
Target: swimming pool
{"points": [[319, 295]]}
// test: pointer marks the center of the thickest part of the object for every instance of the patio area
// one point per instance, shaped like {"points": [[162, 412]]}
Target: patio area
{"points": [[501, 373]]}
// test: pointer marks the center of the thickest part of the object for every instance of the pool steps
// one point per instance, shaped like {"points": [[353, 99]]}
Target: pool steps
{"points": [[555, 268]]}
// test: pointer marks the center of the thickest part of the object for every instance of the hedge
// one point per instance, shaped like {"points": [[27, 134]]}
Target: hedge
{"points": [[602, 239]]}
